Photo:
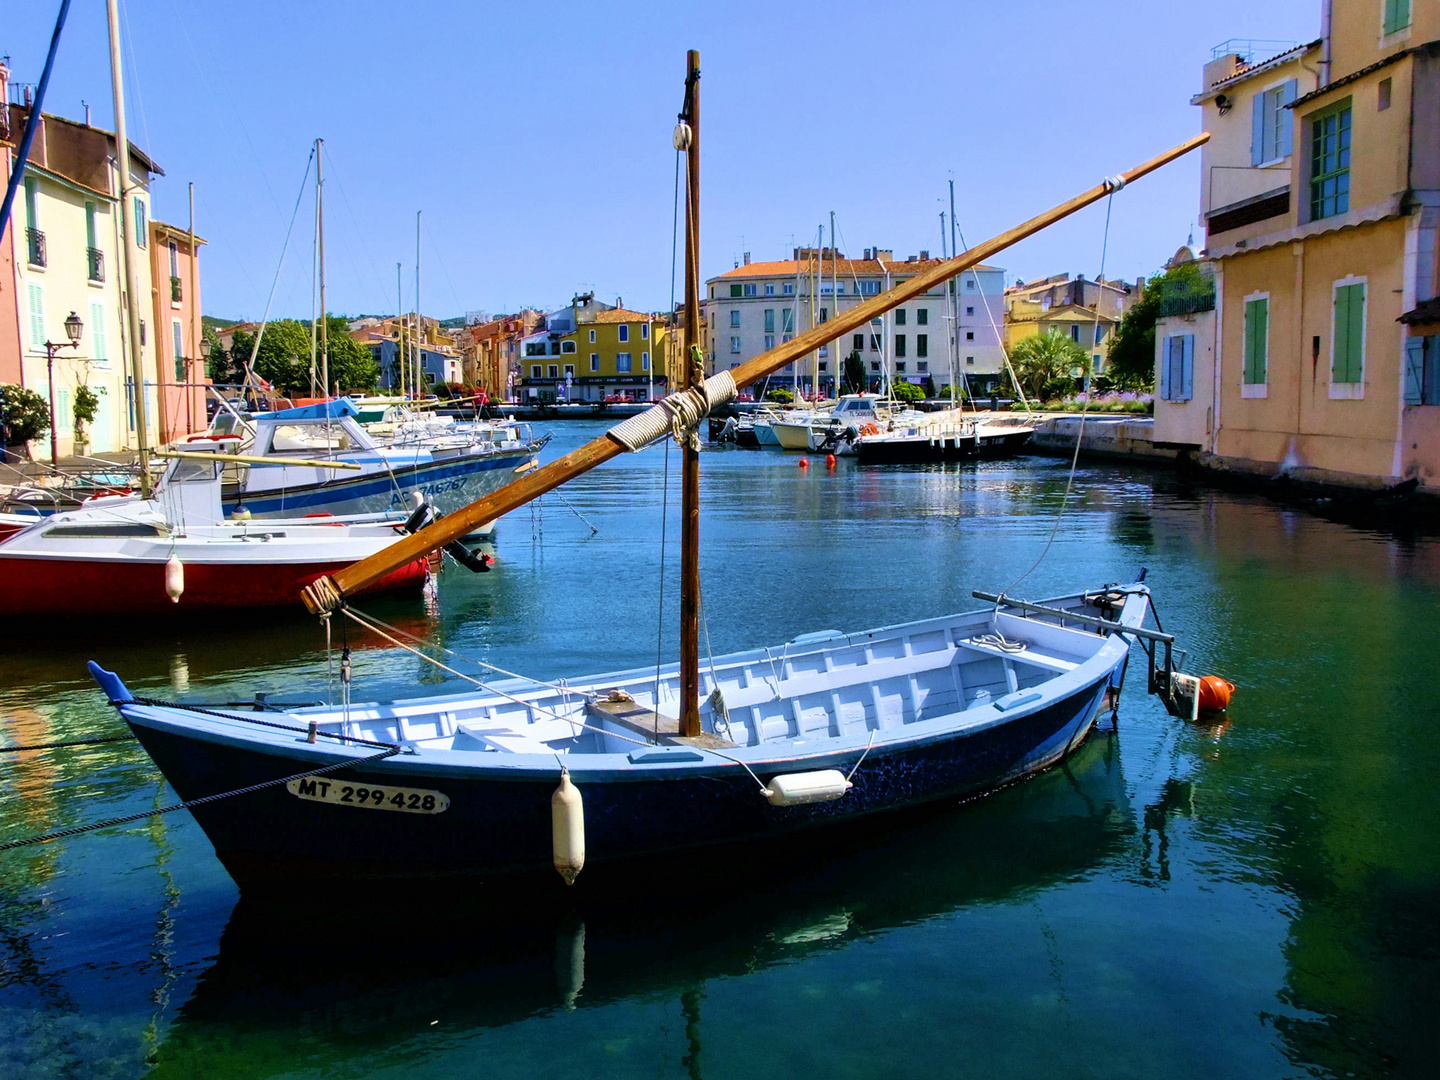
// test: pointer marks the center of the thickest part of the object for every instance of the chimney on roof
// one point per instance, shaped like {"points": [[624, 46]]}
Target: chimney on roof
{"points": [[746, 257], [924, 256]]}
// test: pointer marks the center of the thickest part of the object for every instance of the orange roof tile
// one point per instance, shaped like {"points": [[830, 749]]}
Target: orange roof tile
{"points": [[843, 267], [623, 315]]}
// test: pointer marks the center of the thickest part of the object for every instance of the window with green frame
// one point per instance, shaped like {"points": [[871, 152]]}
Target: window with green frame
{"points": [[1347, 364], [1330, 162], [1257, 340], [1397, 15]]}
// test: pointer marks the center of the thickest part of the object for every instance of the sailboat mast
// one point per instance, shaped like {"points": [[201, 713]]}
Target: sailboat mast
{"points": [[954, 302], [835, 293], [400, 332], [131, 239], [691, 375], [320, 246], [418, 353], [196, 334]]}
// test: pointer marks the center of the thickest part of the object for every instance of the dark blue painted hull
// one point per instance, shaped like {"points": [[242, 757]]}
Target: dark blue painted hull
{"points": [[502, 826]]}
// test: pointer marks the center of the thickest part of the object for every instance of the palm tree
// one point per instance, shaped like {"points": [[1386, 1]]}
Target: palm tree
{"points": [[1046, 365]]}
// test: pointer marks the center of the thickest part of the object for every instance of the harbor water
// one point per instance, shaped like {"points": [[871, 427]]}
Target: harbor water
{"points": [[1256, 897]]}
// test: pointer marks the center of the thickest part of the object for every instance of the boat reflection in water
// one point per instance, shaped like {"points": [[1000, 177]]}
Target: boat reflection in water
{"points": [[326, 980]]}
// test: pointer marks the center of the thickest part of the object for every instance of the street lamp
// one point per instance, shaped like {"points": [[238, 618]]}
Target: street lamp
{"points": [[205, 347], [74, 328]]}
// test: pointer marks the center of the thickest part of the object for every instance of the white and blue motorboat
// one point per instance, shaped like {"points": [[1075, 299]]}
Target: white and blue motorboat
{"points": [[819, 731], [448, 472]]}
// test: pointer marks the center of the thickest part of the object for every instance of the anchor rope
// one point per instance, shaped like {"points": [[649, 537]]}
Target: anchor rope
{"points": [[71, 742], [188, 804]]}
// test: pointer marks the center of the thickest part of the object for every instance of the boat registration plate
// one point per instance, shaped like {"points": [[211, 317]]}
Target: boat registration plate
{"points": [[342, 793]]}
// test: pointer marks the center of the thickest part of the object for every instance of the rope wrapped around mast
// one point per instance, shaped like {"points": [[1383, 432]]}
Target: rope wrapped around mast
{"points": [[679, 415]]}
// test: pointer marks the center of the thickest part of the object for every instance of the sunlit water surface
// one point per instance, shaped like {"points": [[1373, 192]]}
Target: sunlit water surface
{"points": [[1256, 898]]}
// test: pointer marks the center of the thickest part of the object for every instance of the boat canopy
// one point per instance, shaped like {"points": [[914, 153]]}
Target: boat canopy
{"points": [[325, 410]]}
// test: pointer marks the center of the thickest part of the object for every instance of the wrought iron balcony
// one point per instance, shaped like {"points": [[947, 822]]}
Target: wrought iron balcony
{"points": [[1188, 298], [96, 263], [36, 242], [175, 291]]}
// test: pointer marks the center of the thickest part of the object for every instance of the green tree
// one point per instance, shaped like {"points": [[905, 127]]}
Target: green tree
{"points": [[1131, 361], [854, 374], [906, 391], [24, 414], [780, 396], [1045, 364], [283, 359], [86, 403]]}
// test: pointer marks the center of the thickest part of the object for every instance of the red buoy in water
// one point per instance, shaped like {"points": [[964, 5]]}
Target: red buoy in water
{"points": [[1215, 693], [829, 461], [804, 463]]}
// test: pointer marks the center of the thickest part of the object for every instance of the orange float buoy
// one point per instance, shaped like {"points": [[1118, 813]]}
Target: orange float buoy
{"points": [[829, 461], [804, 463], [1215, 693]]}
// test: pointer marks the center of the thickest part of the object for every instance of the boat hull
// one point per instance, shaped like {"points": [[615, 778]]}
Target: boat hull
{"points": [[447, 484], [497, 825], [922, 448], [42, 587], [791, 436]]}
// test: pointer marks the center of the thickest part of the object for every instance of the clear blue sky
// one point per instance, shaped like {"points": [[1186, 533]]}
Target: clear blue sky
{"points": [[536, 136]]}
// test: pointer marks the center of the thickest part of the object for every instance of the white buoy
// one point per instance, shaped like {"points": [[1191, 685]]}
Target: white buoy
{"points": [[567, 826], [795, 789], [416, 500], [174, 578]]}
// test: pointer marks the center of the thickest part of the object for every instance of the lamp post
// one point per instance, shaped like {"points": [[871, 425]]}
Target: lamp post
{"points": [[73, 329]]}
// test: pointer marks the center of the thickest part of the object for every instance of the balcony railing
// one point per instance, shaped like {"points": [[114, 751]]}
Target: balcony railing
{"points": [[1189, 298], [96, 259], [175, 291], [35, 241]]}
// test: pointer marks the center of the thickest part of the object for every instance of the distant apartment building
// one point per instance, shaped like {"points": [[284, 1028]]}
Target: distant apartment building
{"points": [[431, 347], [63, 253], [1321, 199], [1085, 310], [491, 350], [759, 305], [592, 351]]}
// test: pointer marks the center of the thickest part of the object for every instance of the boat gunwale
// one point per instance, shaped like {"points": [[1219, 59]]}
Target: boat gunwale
{"points": [[236, 729]]}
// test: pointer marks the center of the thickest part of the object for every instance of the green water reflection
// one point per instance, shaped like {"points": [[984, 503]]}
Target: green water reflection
{"points": [[1256, 898]]}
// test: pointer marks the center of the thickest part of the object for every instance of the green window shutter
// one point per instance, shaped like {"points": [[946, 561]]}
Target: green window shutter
{"points": [[1397, 15], [1257, 325], [1414, 371], [1349, 330], [97, 333], [37, 314]]}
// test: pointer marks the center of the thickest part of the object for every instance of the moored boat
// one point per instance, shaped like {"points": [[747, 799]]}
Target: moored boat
{"points": [[815, 732]]}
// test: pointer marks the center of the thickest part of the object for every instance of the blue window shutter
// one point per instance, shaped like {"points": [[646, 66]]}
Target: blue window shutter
{"points": [[1257, 130], [1287, 134], [1187, 386], [1414, 371], [1165, 370]]}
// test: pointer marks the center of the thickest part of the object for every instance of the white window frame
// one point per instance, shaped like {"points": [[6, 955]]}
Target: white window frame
{"points": [[645, 331], [644, 361], [624, 363], [769, 288], [734, 318], [594, 361], [623, 332], [1349, 391], [592, 337], [1280, 112], [734, 343], [788, 288], [1256, 390]]}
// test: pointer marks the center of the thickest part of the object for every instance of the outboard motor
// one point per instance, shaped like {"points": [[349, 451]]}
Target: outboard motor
{"points": [[426, 514]]}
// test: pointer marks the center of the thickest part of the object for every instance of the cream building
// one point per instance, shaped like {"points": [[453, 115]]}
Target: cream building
{"points": [[68, 258], [759, 305]]}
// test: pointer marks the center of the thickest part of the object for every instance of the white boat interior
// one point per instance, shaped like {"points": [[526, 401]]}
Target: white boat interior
{"points": [[820, 692]]}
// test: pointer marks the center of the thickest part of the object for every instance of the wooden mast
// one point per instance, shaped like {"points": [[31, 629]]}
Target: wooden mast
{"points": [[328, 593], [693, 376]]}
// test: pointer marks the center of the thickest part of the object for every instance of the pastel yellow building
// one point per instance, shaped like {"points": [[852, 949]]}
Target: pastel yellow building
{"points": [[1321, 199], [593, 352]]}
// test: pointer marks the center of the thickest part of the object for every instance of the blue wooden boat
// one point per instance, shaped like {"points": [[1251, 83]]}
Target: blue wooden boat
{"points": [[819, 731]]}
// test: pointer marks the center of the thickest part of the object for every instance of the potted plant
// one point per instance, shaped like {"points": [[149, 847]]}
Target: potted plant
{"points": [[86, 402]]}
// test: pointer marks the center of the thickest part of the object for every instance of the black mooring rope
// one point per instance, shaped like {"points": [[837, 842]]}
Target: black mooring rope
{"points": [[189, 803], [73, 742]]}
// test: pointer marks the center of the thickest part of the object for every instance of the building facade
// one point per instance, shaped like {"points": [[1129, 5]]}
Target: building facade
{"points": [[65, 244], [595, 352], [175, 305], [759, 305], [491, 352], [1086, 310], [1323, 238]]}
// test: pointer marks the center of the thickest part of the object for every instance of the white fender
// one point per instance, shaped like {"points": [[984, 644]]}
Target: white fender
{"points": [[567, 825], [795, 789], [174, 578]]}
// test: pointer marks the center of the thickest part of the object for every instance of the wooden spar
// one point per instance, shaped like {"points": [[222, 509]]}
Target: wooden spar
{"points": [[690, 453], [328, 593]]}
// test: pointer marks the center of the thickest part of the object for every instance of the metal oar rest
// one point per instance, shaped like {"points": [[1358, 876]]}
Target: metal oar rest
{"points": [[628, 714]]}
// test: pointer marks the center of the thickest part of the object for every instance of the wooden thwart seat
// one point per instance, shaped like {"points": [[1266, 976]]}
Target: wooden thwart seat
{"points": [[652, 725]]}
